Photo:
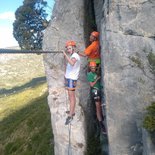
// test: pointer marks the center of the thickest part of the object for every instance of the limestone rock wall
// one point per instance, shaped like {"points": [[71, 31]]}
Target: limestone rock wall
{"points": [[127, 38], [66, 24], [148, 146]]}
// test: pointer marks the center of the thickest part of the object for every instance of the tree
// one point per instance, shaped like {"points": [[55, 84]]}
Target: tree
{"points": [[30, 23]]}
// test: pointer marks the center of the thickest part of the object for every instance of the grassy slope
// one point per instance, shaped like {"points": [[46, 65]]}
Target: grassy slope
{"points": [[19, 69], [25, 127]]}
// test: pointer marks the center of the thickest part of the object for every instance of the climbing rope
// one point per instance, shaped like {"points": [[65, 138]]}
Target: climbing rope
{"points": [[69, 140], [69, 131], [17, 51]]}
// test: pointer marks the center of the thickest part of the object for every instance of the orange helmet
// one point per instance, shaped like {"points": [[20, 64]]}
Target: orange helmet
{"points": [[92, 64], [95, 34], [70, 43]]}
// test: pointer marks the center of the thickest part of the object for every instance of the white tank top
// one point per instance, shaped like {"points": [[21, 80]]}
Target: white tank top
{"points": [[72, 72]]}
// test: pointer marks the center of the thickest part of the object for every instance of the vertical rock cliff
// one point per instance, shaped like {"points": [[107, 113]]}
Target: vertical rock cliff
{"points": [[127, 38], [66, 24]]}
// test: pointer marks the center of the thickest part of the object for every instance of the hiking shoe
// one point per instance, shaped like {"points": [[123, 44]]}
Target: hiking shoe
{"points": [[102, 127], [103, 130], [67, 112], [68, 120]]}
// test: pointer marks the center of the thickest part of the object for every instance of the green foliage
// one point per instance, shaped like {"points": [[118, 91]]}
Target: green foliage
{"points": [[137, 61], [149, 120], [30, 23], [151, 59], [149, 123]]}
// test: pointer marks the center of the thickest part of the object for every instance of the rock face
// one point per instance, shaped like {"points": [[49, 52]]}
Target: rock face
{"points": [[127, 37], [67, 24], [148, 148]]}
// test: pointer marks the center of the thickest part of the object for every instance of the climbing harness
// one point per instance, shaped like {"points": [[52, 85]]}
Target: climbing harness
{"points": [[17, 51]]}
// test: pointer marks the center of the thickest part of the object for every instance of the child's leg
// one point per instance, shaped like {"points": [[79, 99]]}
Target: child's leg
{"points": [[71, 84], [99, 117], [98, 110], [72, 100]]}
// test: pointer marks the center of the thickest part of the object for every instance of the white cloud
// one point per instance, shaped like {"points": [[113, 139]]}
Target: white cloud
{"points": [[6, 37], [7, 16], [6, 30]]}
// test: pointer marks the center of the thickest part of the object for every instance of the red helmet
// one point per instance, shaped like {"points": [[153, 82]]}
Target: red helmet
{"points": [[70, 43], [92, 64], [95, 34]]}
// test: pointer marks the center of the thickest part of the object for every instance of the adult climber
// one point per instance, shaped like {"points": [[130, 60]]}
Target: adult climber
{"points": [[71, 76], [93, 50], [94, 82]]}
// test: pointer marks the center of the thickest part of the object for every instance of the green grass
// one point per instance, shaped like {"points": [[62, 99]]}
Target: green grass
{"points": [[25, 124], [18, 69]]}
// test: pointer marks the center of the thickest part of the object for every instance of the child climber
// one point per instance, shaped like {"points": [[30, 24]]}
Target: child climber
{"points": [[94, 82], [93, 50], [71, 76]]}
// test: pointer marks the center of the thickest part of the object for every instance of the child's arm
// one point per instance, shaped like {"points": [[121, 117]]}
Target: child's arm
{"points": [[82, 54], [71, 61], [93, 83]]}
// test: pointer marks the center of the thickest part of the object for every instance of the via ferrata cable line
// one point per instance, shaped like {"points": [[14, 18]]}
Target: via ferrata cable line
{"points": [[24, 51]]}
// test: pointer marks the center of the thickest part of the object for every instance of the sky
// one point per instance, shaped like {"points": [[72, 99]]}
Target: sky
{"points": [[7, 11]]}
